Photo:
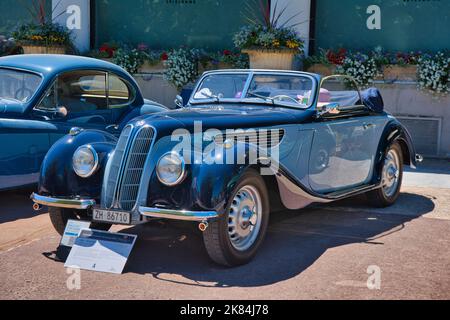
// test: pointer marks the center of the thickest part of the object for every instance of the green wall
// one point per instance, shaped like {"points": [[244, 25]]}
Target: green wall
{"points": [[405, 25], [171, 23], [14, 12]]}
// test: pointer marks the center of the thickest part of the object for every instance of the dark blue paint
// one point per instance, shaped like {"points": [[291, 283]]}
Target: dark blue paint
{"points": [[27, 135]]}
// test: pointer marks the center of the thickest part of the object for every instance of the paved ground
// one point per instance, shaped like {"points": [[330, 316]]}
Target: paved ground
{"points": [[317, 253]]}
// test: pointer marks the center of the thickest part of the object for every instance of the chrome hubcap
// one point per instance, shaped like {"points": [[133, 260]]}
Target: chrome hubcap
{"points": [[391, 173], [244, 218]]}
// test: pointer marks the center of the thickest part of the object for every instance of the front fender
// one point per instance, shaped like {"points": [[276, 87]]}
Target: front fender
{"points": [[57, 177], [206, 187]]}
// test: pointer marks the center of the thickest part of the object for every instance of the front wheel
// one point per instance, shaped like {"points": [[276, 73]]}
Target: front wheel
{"points": [[236, 236], [391, 179], [59, 218]]}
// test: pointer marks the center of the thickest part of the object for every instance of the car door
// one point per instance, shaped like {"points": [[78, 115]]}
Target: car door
{"points": [[78, 99], [344, 142], [24, 142]]}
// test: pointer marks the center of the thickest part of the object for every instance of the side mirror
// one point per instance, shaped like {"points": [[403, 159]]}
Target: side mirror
{"points": [[179, 101], [328, 109], [61, 112]]}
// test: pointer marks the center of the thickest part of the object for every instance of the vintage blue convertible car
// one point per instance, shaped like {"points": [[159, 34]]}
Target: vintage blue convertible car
{"points": [[43, 96], [249, 142]]}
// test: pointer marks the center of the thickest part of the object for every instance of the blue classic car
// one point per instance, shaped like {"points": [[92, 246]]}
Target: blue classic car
{"points": [[249, 142], [43, 96]]}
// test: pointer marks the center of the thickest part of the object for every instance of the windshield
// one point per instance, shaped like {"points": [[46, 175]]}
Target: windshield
{"points": [[223, 86], [18, 86], [291, 90]]}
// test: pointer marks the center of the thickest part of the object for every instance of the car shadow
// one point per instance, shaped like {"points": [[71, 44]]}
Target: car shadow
{"points": [[295, 240], [16, 205]]}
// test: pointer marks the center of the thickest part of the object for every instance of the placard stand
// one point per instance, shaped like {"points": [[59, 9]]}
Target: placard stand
{"points": [[71, 232]]}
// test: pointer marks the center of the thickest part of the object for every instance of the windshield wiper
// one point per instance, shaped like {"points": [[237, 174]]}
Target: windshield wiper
{"points": [[273, 100], [261, 97], [213, 96]]}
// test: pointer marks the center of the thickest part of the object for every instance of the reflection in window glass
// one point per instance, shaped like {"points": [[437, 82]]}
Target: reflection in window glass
{"points": [[82, 91], [224, 86], [17, 85], [119, 93], [286, 88]]}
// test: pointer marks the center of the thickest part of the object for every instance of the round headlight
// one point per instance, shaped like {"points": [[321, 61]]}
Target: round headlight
{"points": [[85, 161], [170, 169]]}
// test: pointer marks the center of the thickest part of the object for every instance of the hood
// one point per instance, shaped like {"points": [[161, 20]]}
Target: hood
{"points": [[10, 107], [226, 117]]}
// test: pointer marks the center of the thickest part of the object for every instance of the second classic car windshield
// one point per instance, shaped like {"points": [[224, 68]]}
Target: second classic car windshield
{"points": [[18, 86], [294, 90]]}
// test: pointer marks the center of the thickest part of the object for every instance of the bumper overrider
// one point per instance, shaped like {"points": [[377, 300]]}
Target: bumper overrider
{"points": [[84, 204]]}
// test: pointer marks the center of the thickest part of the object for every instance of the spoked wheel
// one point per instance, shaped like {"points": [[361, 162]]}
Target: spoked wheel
{"points": [[235, 238], [59, 218], [391, 179]]}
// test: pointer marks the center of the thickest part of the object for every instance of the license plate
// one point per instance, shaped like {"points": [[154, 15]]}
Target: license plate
{"points": [[111, 216]]}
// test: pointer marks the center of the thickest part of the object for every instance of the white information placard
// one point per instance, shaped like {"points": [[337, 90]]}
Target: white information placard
{"points": [[101, 251], [72, 231]]}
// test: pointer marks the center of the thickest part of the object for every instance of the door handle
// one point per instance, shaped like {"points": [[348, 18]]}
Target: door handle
{"points": [[368, 126]]}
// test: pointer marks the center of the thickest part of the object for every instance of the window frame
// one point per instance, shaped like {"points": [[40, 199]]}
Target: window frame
{"points": [[131, 91], [131, 88]]}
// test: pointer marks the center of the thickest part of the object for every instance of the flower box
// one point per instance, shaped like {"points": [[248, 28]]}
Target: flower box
{"points": [[282, 59], [400, 73], [323, 69], [152, 68], [36, 49], [214, 66]]}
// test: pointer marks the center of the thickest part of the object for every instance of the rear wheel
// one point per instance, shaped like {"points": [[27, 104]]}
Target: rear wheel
{"points": [[392, 176], [236, 236], [59, 218]]}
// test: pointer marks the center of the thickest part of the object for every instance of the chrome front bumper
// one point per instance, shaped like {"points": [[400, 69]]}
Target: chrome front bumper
{"points": [[199, 216], [63, 203], [81, 204]]}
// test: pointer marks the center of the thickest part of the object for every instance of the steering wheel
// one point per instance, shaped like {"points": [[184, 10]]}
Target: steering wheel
{"points": [[284, 97], [22, 93]]}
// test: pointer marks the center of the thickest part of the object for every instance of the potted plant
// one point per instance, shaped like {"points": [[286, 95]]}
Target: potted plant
{"points": [[269, 43], [41, 36], [397, 67], [325, 62]]}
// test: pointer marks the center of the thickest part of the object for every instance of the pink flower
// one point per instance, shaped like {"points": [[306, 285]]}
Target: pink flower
{"points": [[142, 47]]}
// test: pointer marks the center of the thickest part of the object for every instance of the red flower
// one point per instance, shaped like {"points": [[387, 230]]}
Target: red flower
{"points": [[164, 56], [337, 58], [107, 49], [227, 53]]}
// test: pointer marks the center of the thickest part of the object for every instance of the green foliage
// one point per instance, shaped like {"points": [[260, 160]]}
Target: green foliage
{"points": [[45, 34]]}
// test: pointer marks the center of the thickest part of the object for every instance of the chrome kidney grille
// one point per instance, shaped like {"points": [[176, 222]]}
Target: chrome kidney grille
{"points": [[126, 168]]}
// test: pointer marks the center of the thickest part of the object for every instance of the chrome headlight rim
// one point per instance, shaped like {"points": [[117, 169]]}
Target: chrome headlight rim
{"points": [[94, 167], [183, 169]]}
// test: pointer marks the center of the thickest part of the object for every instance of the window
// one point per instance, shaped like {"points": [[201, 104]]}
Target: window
{"points": [[223, 86], [293, 89], [18, 86], [341, 90], [82, 91], [119, 93]]}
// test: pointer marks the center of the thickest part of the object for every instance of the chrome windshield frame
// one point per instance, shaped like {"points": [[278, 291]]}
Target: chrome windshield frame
{"points": [[250, 76]]}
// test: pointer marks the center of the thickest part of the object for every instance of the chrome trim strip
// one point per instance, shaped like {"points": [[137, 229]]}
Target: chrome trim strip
{"points": [[178, 214], [81, 204]]}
